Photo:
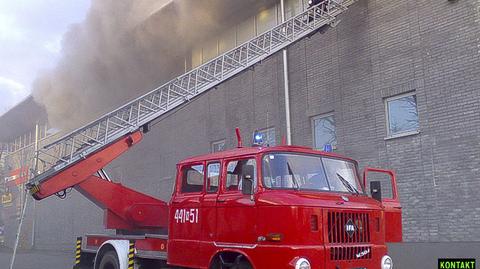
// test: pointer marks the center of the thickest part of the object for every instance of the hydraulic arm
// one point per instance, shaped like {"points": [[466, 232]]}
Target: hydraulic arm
{"points": [[125, 209]]}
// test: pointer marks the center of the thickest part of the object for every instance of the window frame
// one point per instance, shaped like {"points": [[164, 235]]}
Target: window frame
{"points": [[224, 173], [312, 124], [206, 190], [362, 189], [217, 142], [183, 175], [266, 131], [387, 115]]}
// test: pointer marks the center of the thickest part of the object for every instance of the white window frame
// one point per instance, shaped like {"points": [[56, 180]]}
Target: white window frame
{"points": [[387, 116], [214, 143], [312, 124]]}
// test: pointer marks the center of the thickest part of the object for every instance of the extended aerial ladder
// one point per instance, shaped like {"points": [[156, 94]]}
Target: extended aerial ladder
{"points": [[73, 160]]}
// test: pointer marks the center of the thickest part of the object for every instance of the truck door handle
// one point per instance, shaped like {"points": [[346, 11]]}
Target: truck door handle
{"points": [[175, 202], [221, 200]]}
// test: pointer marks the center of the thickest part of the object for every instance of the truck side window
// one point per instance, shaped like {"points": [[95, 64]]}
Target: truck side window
{"points": [[192, 178], [213, 174], [235, 176]]}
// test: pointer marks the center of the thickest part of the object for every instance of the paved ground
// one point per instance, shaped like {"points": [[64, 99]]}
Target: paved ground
{"points": [[405, 256], [426, 255], [38, 259]]}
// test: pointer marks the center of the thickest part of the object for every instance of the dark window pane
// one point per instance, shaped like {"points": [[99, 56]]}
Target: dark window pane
{"points": [[324, 132], [292, 171], [192, 179], [218, 146], [268, 137], [213, 174], [402, 115], [235, 174]]}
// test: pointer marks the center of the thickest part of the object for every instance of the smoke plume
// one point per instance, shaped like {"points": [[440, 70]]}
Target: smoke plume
{"points": [[125, 48]]}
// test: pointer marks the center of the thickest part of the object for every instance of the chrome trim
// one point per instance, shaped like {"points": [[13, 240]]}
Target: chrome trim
{"points": [[117, 236], [150, 254], [157, 236], [233, 245]]}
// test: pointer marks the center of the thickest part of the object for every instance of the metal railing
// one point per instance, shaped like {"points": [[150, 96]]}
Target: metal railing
{"points": [[130, 117]]}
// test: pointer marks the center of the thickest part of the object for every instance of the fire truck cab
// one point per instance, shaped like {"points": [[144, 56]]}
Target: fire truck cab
{"points": [[280, 207]]}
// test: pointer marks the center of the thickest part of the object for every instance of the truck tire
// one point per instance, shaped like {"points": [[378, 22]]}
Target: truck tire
{"points": [[109, 261], [240, 263], [243, 264]]}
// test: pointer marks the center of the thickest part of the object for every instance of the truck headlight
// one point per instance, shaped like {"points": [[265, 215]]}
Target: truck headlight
{"points": [[302, 263], [387, 262]]}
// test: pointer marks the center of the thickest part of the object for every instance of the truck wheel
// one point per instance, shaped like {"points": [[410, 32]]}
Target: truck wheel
{"points": [[109, 261], [243, 264], [230, 261]]}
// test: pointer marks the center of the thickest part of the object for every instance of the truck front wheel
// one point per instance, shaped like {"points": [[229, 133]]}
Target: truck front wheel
{"points": [[230, 261], [242, 264], [109, 261]]}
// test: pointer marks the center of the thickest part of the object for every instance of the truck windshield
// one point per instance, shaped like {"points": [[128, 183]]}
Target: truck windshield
{"points": [[309, 172]]}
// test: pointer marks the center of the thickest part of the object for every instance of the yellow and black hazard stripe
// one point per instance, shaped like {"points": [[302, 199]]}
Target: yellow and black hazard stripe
{"points": [[78, 251], [34, 189], [131, 255]]}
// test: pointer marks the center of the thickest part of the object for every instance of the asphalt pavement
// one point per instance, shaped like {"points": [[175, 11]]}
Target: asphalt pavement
{"points": [[405, 256], [37, 259]]}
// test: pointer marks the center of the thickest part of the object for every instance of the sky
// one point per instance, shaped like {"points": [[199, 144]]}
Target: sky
{"points": [[30, 42]]}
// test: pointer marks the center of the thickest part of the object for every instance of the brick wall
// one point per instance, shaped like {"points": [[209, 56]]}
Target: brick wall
{"points": [[379, 49]]}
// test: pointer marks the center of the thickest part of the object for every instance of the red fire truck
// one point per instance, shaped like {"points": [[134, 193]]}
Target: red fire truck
{"points": [[249, 207]]}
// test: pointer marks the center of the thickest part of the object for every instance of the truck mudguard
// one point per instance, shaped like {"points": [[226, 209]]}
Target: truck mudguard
{"points": [[121, 247]]}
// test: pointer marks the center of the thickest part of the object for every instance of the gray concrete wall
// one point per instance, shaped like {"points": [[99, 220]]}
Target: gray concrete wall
{"points": [[379, 49]]}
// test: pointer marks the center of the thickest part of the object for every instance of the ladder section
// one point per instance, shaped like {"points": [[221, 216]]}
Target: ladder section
{"points": [[75, 146]]}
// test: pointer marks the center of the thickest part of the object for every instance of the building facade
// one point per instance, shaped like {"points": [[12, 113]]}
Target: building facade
{"points": [[395, 84]]}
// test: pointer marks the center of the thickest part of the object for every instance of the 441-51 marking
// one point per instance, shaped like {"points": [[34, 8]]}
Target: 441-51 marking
{"points": [[186, 215]]}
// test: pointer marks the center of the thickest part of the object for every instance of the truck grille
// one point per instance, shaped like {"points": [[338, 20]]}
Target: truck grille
{"points": [[350, 253], [348, 227]]}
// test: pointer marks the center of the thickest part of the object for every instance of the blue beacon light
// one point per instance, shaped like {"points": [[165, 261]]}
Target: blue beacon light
{"points": [[328, 148], [257, 138]]}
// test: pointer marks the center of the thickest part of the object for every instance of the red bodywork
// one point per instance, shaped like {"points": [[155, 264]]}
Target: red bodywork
{"points": [[392, 207], [271, 228], [125, 209], [234, 222]]}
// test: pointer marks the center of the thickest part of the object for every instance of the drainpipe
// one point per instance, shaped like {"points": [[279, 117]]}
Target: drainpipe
{"points": [[35, 170], [286, 83]]}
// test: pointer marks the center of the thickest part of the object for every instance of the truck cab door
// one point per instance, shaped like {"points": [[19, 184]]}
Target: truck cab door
{"points": [[208, 212], [390, 201], [185, 216], [236, 212]]}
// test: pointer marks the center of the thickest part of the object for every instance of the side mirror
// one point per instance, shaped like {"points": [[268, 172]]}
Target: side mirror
{"points": [[247, 182], [376, 190]]}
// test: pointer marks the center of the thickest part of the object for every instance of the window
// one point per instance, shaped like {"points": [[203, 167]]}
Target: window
{"points": [[218, 146], [294, 171], [402, 115], [324, 131], [385, 181], [268, 137], [213, 174], [342, 175], [235, 174], [309, 172], [192, 180]]}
